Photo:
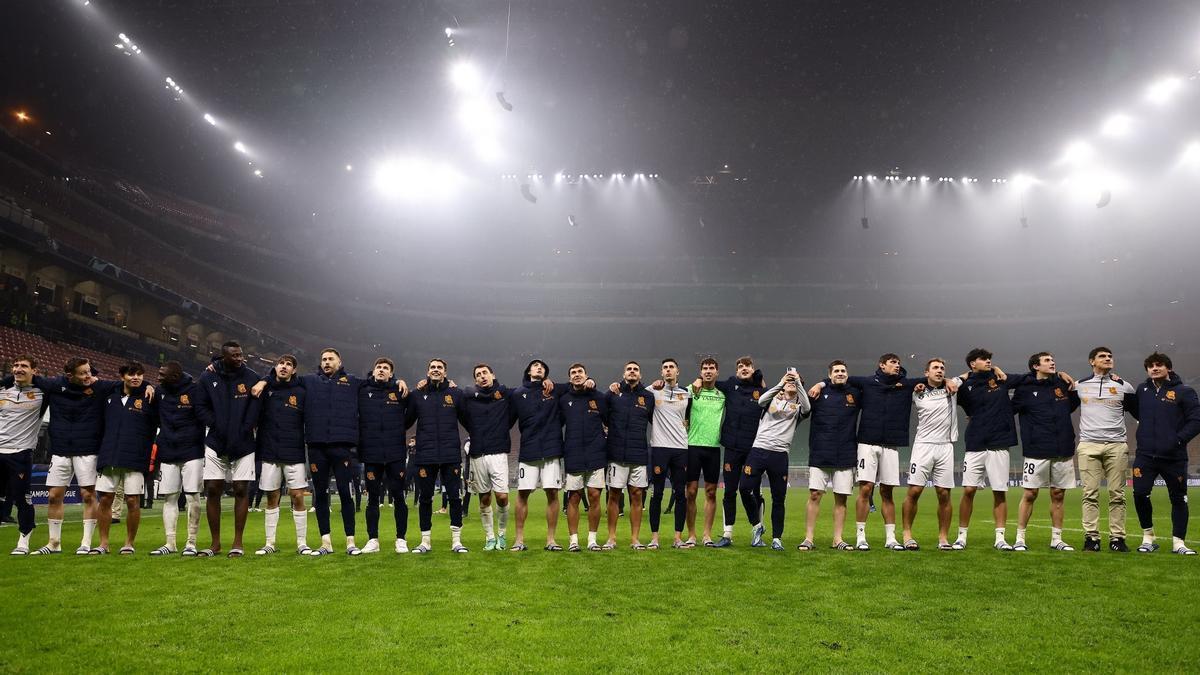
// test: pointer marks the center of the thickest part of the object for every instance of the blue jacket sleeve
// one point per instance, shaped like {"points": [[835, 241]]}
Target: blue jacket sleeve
{"points": [[204, 405], [1191, 416]]}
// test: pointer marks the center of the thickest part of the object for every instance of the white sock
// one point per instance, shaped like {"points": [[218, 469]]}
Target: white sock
{"points": [[1020, 534], [1055, 535], [889, 532], [860, 531], [1177, 543], [455, 536], [300, 520], [271, 519], [962, 534], [326, 542], [502, 520], [728, 531], [170, 517], [89, 527], [591, 538], [425, 535], [485, 515], [193, 517], [999, 534], [350, 542], [23, 540], [1148, 535], [574, 539], [55, 533]]}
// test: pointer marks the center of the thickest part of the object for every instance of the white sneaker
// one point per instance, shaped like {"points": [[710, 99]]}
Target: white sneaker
{"points": [[401, 546], [372, 546]]}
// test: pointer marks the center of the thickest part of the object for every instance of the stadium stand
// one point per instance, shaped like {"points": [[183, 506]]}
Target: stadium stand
{"points": [[52, 355]]}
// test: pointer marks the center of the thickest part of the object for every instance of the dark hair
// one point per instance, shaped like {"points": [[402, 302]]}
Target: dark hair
{"points": [[230, 345], [383, 359], [481, 365], [1096, 350], [744, 360], [888, 357], [708, 360], [132, 368], [836, 362], [73, 363], [26, 358], [331, 349], [1158, 357], [934, 360], [978, 353], [573, 366], [289, 358], [1037, 358], [441, 361], [173, 368], [634, 363], [669, 360]]}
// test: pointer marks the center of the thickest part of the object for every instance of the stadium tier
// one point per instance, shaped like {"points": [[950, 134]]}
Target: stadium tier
{"points": [[52, 355]]}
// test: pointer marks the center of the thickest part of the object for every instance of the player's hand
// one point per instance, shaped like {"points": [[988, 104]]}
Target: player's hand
{"points": [[919, 387], [697, 383], [149, 392], [90, 380], [1066, 378], [815, 390], [210, 368], [589, 384], [451, 384], [614, 388], [257, 389], [952, 386], [422, 383], [658, 385], [402, 386], [1000, 376]]}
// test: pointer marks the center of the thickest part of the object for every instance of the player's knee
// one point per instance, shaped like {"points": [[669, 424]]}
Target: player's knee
{"points": [[502, 500]]}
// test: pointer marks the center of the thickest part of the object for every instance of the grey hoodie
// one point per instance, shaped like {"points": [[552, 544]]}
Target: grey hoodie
{"points": [[778, 423]]}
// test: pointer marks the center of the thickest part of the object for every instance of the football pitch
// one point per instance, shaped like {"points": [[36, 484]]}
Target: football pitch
{"points": [[734, 609]]}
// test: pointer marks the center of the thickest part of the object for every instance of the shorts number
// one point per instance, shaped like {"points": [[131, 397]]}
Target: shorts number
{"points": [[912, 468], [862, 463], [1029, 468], [521, 472]]}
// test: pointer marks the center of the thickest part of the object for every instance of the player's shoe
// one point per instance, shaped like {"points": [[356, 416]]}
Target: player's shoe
{"points": [[20, 550], [862, 546], [958, 544], [99, 550], [1001, 546], [83, 549], [1061, 546], [690, 543], [317, 552], [353, 550], [303, 549], [1184, 550], [128, 550], [894, 545], [1148, 547], [1091, 544], [401, 546], [236, 553], [595, 547], [652, 546], [723, 542], [265, 550], [609, 546], [163, 550], [945, 546], [1117, 545], [805, 545], [709, 543], [552, 547], [573, 548], [372, 546], [910, 545], [501, 542], [189, 551], [422, 548], [46, 550], [756, 536], [458, 548], [776, 544], [841, 546], [1020, 546], [518, 547], [489, 545]]}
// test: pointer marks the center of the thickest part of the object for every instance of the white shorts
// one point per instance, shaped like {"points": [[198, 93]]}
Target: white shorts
{"points": [[878, 464], [181, 477], [273, 476], [986, 468], [841, 481], [592, 479], [133, 482], [932, 462], [83, 468], [217, 467], [1054, 473], [621, 476], [489, 473], [547, 474]]}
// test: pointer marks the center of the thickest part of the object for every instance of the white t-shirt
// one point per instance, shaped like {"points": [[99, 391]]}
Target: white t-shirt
{"points": [[670, 411]]}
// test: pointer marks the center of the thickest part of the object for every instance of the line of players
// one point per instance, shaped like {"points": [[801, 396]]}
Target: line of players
{"points": [[207, 432]]}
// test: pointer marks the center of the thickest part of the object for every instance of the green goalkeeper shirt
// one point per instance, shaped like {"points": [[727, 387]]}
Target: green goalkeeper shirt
{"points": [[704, 420]]}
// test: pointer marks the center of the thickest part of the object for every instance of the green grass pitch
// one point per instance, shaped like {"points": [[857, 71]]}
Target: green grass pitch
{"points": [[736, 609]]}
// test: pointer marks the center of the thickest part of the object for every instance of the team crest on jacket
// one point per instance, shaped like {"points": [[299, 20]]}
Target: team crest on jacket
{"points": [[641, 400], [496, 395], [184, 399], [1112, 390], [592, 405], [31, 395], [88, 391], [449, 400], [849, 399], [241, 387], [1171, 395], [137, 404], [992, 384], [343, 379], [755, 394], [1058, 393], [391, 396], [292, 400]]}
